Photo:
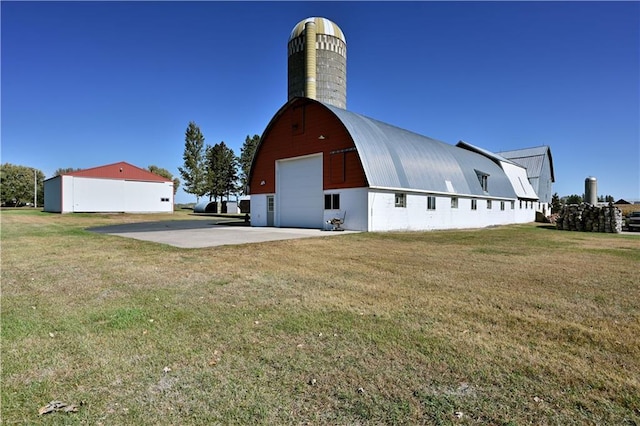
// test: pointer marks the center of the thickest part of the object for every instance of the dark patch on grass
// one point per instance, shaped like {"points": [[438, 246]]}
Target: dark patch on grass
{"points": [[119, 319]]}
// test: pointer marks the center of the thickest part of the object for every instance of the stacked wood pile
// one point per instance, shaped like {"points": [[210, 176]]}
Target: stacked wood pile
{"points": [[588, 218]]}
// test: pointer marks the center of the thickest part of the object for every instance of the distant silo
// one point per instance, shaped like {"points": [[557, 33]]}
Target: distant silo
{"points": [[591, 190], [318, 63]]}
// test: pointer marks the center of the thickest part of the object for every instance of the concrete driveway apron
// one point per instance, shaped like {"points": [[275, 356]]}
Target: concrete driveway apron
{"points": [[208, 233]]}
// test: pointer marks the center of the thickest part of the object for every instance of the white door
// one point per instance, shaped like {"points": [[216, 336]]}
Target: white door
{"points": [[299, 192], [270, 210]]}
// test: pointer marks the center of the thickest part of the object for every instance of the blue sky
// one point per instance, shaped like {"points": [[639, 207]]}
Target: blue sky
{"points": [[91, 83]]}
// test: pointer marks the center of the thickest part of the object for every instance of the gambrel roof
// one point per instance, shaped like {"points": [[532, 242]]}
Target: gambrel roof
{"points": [[531, 159]]}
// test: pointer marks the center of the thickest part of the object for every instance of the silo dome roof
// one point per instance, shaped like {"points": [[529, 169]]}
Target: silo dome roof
{"points": [[323, 26]]}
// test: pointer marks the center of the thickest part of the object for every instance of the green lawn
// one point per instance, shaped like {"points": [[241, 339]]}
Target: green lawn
{"points": [[507, 325]]}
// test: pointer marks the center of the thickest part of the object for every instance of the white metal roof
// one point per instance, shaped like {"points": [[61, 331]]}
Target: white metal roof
{"points": [[323, 26], [394, 158], [532, 159], [516, 173]]}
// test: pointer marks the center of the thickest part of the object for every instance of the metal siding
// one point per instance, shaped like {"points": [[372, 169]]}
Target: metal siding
{"points": [[98, 195], [534, 159], [525, 152], [544, 183], [539, 165], [532, 164], [145, 197], [397, 158], [116, 195], [53, 195], [67, 194]]}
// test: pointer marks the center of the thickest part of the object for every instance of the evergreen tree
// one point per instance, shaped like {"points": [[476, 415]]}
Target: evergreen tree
{"points": [[167, 174], [222, 174], [210, 170], [556, 205], [247, 153], [573, 199], [193, 172]]}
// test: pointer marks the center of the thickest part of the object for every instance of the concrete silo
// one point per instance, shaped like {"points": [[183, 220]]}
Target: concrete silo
{"points": [[317, 67], [591, 190]]}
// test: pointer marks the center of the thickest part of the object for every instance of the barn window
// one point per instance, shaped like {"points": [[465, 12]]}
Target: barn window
{"points": [[431, 202], [474, 204], [488, 204], [454, 202], [270, 204], [483, 178], [331, 201], [520, 204], [513, 205], [401, 200], [501, 205]]}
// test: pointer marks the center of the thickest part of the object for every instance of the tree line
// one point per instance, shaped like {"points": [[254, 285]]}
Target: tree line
{"points": [[21, 185], [215, 171], [557, 202]]}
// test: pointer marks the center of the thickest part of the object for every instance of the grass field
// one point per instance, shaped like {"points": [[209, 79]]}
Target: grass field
{"points": [[508, 325]]}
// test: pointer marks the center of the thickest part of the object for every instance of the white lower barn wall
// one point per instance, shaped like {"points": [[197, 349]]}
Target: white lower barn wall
{"points": [[544, 208], [525, 211], [353, 208], [374, 210], [259, 209], [385, 216]]}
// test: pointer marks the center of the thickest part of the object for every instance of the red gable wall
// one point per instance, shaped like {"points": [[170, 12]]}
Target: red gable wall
{"points": [[119, 170], [296, 131]]}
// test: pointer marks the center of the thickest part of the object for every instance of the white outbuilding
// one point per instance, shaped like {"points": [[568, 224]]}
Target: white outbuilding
{"points": [[118, 188]]}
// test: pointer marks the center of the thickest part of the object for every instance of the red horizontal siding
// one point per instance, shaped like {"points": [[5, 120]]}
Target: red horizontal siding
{"points": [[297, 131]]}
